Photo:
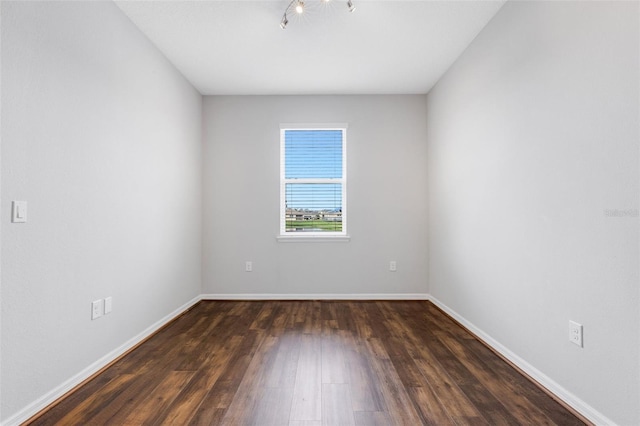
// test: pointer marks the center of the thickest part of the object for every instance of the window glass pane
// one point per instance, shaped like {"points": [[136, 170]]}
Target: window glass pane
{"points": [[313, 154], [315, 207], [314, 196], [312, 182]]}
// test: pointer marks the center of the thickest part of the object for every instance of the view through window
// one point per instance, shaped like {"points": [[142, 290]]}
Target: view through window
{"points": [[312, 181]]}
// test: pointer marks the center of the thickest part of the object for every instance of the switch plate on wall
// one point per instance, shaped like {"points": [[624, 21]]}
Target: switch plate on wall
{"points": [[19, 212], [108, 305], [393, 267], [248, 266]]}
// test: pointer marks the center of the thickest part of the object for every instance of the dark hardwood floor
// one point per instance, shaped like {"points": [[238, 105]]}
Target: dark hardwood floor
{"points": [[307, 363]]}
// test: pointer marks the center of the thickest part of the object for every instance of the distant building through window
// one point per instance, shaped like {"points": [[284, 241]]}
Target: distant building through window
{"points": [[313, 180]]}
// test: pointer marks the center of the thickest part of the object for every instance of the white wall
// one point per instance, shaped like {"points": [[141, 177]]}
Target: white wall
{"points": [[386, 197], [102, 137], [533, 141]]}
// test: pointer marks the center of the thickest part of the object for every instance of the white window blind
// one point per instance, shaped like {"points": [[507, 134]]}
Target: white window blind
{"points": [[313, 181]]}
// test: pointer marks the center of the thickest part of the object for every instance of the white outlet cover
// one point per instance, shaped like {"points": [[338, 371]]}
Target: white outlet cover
{"points": [[97, 308], [575, 333]]}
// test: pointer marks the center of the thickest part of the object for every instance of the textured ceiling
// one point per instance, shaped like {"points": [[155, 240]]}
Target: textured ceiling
{"points": [[384, 47]]}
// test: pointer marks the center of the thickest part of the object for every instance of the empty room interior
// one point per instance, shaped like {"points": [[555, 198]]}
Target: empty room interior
{"points": [[162, 191]]}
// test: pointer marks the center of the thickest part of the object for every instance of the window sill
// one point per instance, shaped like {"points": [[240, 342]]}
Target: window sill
{"points": [[313, 238]]}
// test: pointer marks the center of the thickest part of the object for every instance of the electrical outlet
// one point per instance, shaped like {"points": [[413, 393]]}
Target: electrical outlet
{"points": [[248, 266], [108, 305], [393, 267], [575, 333], [96, 309]]}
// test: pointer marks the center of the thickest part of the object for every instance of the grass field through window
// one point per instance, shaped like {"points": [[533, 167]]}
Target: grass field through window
{"points": [[313, 225]]}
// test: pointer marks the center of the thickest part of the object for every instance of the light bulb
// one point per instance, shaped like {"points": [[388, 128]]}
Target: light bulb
{"points": [[300, 7]]}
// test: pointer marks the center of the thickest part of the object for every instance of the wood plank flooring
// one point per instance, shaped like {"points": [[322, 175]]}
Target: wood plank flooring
{"points": [[310, 363]]}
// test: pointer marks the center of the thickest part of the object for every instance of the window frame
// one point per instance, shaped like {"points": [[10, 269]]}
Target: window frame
{"points": [[283, 235]]}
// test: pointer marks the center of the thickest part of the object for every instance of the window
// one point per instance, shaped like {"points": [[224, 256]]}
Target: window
{"points": [[313, 181]]}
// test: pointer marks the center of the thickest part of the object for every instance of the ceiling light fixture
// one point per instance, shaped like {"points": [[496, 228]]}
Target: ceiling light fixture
{"points": [[351, 6], [299, 7], [284, 22]]}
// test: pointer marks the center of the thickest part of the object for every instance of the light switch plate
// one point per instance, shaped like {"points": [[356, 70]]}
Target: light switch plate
{"points": [[19, 212], [108, 305]]}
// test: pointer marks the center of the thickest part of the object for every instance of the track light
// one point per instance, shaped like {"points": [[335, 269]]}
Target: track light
{"points": [[299, 7]]}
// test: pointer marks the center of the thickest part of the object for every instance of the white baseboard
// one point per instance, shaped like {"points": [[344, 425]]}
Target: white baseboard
{"points": [[50, 397], [563, 394], [317, 296]]}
